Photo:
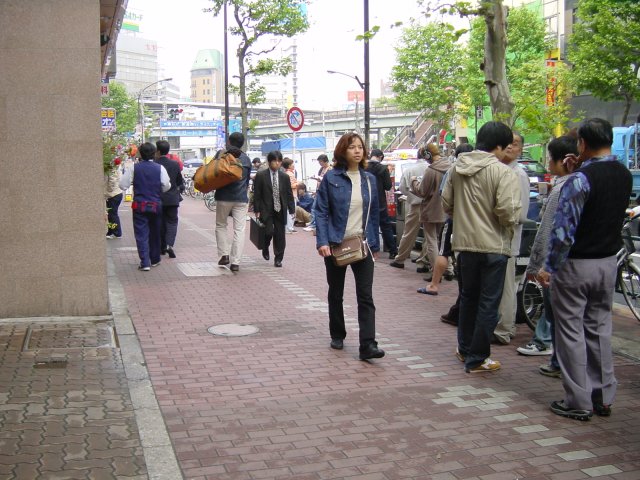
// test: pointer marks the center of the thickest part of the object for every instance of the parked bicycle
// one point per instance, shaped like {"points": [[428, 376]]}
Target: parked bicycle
{"points": [[628, 280]]}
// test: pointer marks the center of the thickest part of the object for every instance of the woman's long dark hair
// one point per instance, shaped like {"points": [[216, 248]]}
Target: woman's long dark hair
{"points": [[340, 153]]}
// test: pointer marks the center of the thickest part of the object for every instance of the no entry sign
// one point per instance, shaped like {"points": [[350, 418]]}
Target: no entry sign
{"points": [[295, 119]]}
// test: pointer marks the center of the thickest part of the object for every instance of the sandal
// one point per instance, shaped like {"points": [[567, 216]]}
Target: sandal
{"points": [[427, 292]]}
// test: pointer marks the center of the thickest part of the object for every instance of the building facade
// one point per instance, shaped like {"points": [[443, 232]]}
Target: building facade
{"points": [[207, 77]]}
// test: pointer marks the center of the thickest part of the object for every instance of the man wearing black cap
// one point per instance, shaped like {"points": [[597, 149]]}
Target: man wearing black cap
{"points": [[383, 180]]}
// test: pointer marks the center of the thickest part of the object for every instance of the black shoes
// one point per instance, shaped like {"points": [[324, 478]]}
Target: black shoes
{"points": [[170, 252], [560, 408], [277, 263], [265, 253], [422, 270], [448, 320], [234, 268], [392, 255], [396, 264], [371, 351], [337, 344], [601, 409], [224, 260], [448, 276]]}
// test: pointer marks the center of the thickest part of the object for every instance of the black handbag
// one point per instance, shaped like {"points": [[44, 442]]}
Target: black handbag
{"points": [[257, 233]]}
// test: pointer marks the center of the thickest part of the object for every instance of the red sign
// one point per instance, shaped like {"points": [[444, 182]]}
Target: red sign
{"points": [[295, 119], [355, 96]]}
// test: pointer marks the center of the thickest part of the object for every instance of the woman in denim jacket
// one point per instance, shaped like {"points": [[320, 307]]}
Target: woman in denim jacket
{"points": [[342, 211]]}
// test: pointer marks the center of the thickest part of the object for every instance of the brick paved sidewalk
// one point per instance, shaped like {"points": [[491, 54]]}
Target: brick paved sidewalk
{"points": [[280, 404]]}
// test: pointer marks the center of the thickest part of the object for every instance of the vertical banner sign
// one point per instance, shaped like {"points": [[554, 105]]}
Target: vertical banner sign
{"points": [[551, 90], [108, 119]]}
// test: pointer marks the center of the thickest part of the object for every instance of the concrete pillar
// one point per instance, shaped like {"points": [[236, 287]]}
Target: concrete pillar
{"points": [[52, 211]]}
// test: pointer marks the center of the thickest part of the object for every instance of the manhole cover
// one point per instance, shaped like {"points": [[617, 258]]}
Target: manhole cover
{"points": [[233, 330]]}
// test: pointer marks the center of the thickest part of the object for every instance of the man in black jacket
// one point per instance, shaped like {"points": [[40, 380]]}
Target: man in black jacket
{"points": [[272, 199], [170, 199], [383, 180]]}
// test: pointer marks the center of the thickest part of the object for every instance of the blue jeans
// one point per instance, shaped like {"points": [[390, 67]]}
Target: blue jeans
{"points": [[386, 228], [483, 275], [548, 314]]}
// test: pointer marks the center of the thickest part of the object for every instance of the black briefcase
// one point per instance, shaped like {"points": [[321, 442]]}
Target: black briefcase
{"points": [[256, 233]]}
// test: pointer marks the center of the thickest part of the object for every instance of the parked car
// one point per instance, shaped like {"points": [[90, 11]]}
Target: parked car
{"points": [[190, 167]]}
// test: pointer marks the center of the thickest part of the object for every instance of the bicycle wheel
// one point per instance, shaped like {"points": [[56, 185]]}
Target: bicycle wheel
{"points": [[629, 284], [530, 304], [210, 202]]}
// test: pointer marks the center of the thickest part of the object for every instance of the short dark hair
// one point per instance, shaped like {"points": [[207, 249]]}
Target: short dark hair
{"points": [[256, 160], [274, 155], [340, 152], [323, 158], [596, 133], [286, 163], [376, 152], [302, 186], [147, 151], [492, 135], [560, 147], [163, 147], [463, 148], [236, 139]]}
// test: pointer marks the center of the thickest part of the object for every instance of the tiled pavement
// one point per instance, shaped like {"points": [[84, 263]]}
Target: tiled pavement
{"points": [[280, 404]]}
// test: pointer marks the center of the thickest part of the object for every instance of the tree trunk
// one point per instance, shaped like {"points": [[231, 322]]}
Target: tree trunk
{"points": [[627, 107], [495, 69]]}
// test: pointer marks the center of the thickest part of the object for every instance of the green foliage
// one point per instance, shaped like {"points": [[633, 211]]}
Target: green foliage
{"points": [[605, 50], [126, 108], [385, 102], [527, 74], [255, 19], [427, 74]]}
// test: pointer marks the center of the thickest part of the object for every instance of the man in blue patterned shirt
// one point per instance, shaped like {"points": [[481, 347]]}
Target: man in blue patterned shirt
{"points": [[581, 271]]}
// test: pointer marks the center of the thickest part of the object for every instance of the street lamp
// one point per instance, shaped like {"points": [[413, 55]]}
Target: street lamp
{"points": [[141, 103], [364, 85]]}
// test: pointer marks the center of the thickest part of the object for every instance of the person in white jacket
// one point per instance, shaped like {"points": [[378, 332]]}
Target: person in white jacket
{"points": [[506, 328], [483, 197]]}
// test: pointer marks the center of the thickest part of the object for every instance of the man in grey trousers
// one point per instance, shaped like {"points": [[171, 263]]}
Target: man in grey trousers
{"points": [[581, 271]]}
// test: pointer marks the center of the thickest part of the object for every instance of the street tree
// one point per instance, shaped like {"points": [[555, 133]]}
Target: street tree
{"points": [[540, 93], [255, 20], [427, 74], [125, 106], [494, 14], [605, 50]]}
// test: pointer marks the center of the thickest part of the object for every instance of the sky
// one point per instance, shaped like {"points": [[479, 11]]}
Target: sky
{"points": [[181, 29]]}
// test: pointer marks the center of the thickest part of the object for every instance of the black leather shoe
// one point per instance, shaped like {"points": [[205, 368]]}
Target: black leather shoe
{"points": [[392, 255], [422, 269], [277, 263], [448, 276], [171, 253], [371, 351], [265, 254], [224, 260], [396, 264], [234, 268], [337, 344]]}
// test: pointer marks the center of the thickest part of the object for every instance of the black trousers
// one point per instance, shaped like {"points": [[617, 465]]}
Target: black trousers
{"points": [[363, 274], [274, 229], [169, 228], [113, 203], [388, 234]]}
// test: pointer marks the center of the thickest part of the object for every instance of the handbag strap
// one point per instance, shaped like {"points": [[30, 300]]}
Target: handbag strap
{"points": [[366, 220]]}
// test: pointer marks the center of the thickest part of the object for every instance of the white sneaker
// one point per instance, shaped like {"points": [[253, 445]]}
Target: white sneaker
{"points": [[533, 349], [292, 231], [309, 229]]}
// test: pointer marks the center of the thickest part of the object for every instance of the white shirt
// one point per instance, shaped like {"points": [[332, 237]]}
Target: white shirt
{"points": [[127, 178]]}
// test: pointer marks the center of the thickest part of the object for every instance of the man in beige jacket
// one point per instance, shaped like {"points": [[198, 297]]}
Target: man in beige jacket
{"points": [[483, 197]]}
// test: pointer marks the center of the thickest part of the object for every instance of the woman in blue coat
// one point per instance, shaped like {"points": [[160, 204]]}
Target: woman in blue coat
{"points": [[347, 204]]}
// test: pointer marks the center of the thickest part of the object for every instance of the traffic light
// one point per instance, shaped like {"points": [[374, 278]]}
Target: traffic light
{"points": [[175, 113]]}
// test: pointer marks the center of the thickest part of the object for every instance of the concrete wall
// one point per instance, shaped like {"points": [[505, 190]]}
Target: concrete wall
{"points": [[52, 226]]}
